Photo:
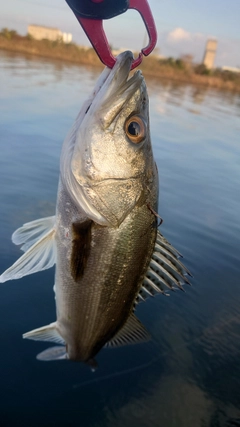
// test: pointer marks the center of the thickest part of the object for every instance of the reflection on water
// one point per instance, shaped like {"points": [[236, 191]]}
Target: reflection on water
{"points": [[189, 374]]}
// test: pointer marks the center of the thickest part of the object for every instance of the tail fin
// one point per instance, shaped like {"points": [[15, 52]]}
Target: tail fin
{"points": [[53, 353]]}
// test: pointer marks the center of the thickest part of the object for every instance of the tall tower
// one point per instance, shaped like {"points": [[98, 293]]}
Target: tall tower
{"points": [[210, 53]]}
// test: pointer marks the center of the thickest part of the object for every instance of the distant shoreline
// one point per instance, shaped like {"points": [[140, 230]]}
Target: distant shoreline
{"points": [[169, 69]]}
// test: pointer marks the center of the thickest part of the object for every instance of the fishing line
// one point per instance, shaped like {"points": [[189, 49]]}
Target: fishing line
{"points": [[139, 367], [155, 359], [115, 374]]}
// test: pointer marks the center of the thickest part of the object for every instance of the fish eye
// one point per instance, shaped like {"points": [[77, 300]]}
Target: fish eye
{"points": [[135, 129]]}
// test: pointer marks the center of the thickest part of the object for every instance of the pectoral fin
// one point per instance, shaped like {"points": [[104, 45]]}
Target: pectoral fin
{"points": [[33, 231], [131, 333], [38, 238]]}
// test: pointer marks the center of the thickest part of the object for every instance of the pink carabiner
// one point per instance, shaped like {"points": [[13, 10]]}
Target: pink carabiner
{"points": [[143, 8], [95, 33]]}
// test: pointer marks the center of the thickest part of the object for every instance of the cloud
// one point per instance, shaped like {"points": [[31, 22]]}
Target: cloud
{"points": [[179, 34], [178, 42]]}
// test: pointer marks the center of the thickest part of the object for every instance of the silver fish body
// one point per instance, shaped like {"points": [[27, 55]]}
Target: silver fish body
{"points": [[101, 266], [104, 237], [94, 304]]}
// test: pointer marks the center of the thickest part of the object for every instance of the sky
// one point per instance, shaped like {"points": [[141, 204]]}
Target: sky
{"points": [[183, 25]]}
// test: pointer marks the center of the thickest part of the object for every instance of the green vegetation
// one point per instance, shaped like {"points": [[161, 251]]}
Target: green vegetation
{"points": [[8, 34], [202, 70], [177, 64], [181, 70], [10, 40]]}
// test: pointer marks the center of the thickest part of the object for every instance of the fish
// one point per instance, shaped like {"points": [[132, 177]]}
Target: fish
{"points": [[104, 237]]}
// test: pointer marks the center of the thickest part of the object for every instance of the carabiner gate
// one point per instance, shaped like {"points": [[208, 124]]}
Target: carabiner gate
{"points": [[94, 30]]}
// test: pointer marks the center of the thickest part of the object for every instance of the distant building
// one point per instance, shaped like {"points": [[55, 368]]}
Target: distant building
{"points": [[39, 32], [67, 37], [232, 69], [210, 53]]}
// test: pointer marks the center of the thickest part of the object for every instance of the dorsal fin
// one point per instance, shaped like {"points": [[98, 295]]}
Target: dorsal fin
{"points": [[81, 244], [165, 271]]}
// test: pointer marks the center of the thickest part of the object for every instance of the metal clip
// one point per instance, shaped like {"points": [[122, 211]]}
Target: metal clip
{"points": [[95, 33]]}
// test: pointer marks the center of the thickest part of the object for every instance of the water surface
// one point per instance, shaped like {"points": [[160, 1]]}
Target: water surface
{"points": [[189, 374]]}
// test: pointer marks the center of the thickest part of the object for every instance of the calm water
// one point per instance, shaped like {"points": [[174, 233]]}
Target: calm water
{"points": [[189, 374]]}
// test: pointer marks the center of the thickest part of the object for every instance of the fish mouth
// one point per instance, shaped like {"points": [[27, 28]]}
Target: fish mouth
{"points": [[114, 88]]}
